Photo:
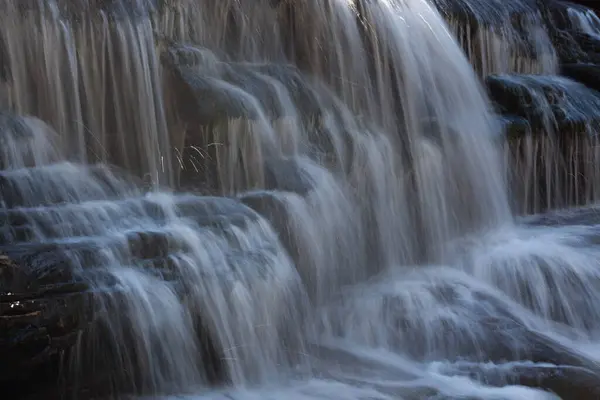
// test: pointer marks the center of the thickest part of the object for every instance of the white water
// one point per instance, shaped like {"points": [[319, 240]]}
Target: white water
{"points": [[396, 263]]}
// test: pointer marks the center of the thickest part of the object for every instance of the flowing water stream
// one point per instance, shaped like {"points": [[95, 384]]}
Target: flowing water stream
{"points": [[358, 242]]}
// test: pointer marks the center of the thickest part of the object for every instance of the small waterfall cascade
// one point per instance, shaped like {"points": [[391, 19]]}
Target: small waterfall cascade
{"points": [[341, 199]]}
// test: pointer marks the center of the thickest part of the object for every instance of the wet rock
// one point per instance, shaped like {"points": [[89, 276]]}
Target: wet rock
{"points": [[210, 90], [286, 174], [566, 381], [553, 163], [499, 36], [587, 42], [39, 322], [514, 127], [97, 219], [555, 103], [272, 206], [567, 38], [486, 12], [568, 49], [589, 215], [577, 47], [69, 261], [588, 74], [75, 9], [557, 13], [60, 183]]}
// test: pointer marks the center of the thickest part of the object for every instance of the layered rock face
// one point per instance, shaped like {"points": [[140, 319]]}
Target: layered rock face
{"points": [[143, 86]]}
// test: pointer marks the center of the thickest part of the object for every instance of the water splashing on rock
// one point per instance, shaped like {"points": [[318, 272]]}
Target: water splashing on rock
{"points": [[258, 199]]}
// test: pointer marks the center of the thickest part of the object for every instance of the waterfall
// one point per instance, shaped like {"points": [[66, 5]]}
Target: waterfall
{"points": [[312, 199]]}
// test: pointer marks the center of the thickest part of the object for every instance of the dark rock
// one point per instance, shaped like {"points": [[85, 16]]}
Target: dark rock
{"points": [[564, 118], [568, 49], [514, 127], [589, 4], [100, 218], [287, 174], [566, 381], [67, 261], [38, 323], [215, 91], [557, 13], [588, 74], [546, 102], [486, 13], [515, 23], [209, 99]]}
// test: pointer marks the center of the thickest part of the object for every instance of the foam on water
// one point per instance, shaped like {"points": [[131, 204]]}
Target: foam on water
{"points": [[366, 247]]}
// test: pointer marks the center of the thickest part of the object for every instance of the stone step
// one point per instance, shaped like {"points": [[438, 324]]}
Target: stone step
{"points": [[63, 183], [96, 218], [70, 260], [551, 127], [587, 74], [547, 102], [501, 36], [235, 90]]}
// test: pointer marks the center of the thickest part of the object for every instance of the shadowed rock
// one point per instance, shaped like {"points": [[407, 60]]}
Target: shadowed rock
{"points": [[554, 103], [500, 36], [209, 90], [37, 323], [514, 127], [566, 381], [588, 74]]}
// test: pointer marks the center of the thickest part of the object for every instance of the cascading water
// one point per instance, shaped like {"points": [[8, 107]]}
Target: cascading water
{"points": [[358, 241], [585, 20]]}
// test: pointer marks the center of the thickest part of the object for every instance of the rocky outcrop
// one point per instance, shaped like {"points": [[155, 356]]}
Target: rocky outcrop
{"points": [[551, 126]]}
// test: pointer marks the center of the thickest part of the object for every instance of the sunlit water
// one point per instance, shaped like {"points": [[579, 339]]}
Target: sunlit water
{"points": [[383, 263]]}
